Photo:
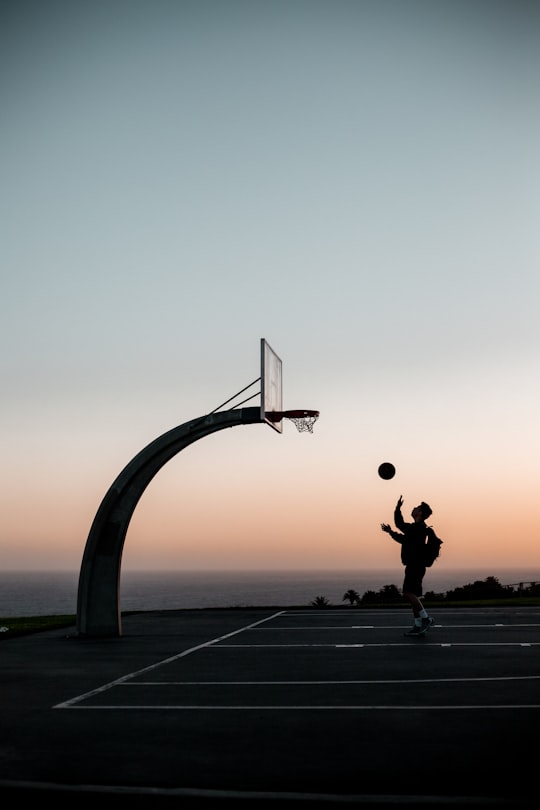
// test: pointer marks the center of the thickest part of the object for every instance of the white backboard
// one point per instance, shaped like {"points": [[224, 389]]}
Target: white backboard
{"points": [[271, 386]]}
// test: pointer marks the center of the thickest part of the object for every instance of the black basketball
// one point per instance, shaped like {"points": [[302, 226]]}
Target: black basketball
{"points": [[387, 471]]}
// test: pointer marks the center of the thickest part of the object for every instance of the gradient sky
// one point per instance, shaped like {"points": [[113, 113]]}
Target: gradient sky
{"points": [[356, 182]]}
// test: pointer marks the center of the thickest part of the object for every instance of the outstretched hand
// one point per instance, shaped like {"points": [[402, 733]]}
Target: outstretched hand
{"points": [[400, 502], [386, 528]]}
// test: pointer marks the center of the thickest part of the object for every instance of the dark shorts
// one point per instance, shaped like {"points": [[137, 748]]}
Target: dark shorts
{"points": [[414, 574]]}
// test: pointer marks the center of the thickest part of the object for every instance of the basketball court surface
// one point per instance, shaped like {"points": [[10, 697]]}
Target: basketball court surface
{"points": [[330, 706]]}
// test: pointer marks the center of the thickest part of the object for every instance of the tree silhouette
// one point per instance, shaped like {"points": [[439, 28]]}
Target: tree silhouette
{"points": [[389, 593], [489, 588], [320, 602]]}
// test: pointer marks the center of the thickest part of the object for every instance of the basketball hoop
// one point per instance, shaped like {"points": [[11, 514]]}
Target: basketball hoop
{"points": [[304, 420]]}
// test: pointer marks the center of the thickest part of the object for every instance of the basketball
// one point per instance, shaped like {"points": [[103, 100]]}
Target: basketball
{"points": [[387, 471]]}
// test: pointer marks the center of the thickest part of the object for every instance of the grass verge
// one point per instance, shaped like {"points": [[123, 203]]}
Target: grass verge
{"points": [[23, 625]]}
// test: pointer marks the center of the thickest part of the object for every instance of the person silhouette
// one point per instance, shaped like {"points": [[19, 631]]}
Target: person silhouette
{"points": [[412, 537]]}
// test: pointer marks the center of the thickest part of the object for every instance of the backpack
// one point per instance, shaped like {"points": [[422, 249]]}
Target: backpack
{"points": [[432, 549]]}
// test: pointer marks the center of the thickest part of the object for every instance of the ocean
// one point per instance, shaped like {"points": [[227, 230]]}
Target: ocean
{"points": [[52, 593]]}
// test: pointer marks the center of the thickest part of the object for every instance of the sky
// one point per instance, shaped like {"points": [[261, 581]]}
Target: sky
{"points": [[355, 182]]}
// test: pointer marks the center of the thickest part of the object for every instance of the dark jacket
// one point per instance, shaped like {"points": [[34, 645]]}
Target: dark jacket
{"points": [[412, 539]]}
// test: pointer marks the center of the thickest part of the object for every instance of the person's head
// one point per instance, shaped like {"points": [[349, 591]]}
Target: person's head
{"points": [[421, 512]]}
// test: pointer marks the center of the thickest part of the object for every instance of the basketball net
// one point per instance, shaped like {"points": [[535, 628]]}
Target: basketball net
{"points": [[303, 421]]}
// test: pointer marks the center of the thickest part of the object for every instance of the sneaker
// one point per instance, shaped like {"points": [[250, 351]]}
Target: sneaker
{"points": [[426, 624], [415, 630]]}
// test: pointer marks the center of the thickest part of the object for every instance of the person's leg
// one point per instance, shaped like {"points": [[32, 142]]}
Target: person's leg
{"points": [[414, 602], [412, 588], [412, 592]]}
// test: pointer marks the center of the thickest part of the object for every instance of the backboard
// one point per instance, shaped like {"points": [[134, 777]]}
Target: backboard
{"points": [[271, 391]]}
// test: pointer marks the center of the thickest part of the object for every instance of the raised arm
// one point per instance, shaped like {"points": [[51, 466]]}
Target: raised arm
{"points": [[398, 517]]}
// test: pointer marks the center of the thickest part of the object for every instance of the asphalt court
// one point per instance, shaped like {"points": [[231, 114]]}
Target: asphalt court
{"points": [[336, 705]]}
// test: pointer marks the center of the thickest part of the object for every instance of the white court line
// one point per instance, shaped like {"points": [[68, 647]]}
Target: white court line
{"points": [[405, 610], [423, 642], [445, 644], [334, 683], [316, 628], [70, 703], [168, 707]]}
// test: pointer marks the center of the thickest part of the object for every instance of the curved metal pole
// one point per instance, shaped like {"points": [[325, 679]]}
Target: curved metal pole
{"points": [[98, 603]]}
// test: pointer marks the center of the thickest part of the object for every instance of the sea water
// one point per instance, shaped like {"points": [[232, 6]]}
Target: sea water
{"points": [[50, 593]]}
